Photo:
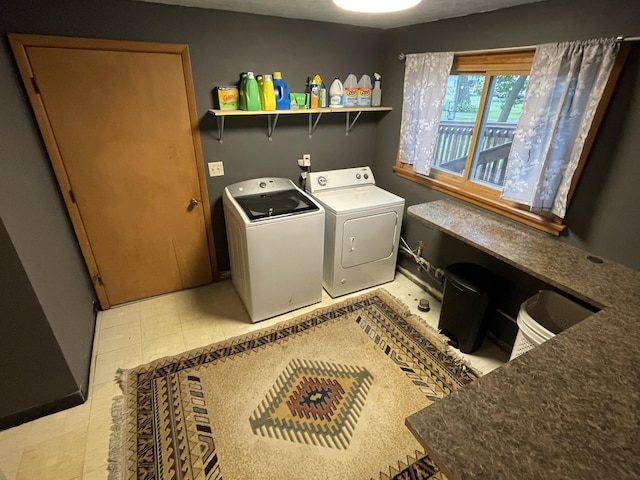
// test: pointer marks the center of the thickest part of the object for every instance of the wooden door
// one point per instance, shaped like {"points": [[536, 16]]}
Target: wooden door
{"points": [[119, 123]]}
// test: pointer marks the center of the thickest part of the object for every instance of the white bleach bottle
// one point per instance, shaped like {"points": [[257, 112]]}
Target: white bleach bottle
{"points": [[364, 91], [351, 91], [336, 94]]}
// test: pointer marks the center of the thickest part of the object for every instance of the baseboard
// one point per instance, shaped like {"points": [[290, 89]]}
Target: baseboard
{"points": [[30, 414], [430, 289]]}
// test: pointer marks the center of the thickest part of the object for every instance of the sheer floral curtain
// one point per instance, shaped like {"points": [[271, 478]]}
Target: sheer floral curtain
{"points": [[425, 83], [565, 87]]}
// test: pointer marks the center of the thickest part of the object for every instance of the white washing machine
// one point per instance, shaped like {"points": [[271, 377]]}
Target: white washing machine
{"points": [[275, 235], [362, 229]]}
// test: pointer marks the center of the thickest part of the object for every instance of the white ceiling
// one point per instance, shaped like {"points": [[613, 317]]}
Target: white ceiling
{"points": [[326, 11]]}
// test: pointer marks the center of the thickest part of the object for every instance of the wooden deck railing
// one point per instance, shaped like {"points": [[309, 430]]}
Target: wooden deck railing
{"points": [[453, 146]]}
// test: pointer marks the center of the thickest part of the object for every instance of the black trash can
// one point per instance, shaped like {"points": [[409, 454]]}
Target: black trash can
{"points": [[468, 298]]}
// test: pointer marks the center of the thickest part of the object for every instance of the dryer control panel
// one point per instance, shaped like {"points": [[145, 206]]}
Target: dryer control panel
{"points": [[343, 178]]}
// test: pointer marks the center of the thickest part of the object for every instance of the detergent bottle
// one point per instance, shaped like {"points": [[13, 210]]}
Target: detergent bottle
{"points": [[252, 93], [376, 93], [308, 92], [351, 91], [324, 101], [281, 92], [267, 93], [242, 97], [260, 85], [336, 94], [364, 91], [316, 86]]}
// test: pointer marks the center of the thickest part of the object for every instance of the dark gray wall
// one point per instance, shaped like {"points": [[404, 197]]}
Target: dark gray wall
{"points": [[34, 370], [603, 215]]}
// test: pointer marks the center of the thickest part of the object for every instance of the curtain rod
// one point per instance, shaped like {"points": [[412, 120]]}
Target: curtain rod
{"points": [[403, 56]]}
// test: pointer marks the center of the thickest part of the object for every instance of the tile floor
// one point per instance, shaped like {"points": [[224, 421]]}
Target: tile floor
{"points": [[73, 444]]}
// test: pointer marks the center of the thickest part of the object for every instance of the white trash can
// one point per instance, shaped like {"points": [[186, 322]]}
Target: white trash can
{"points": [[543, 316]]}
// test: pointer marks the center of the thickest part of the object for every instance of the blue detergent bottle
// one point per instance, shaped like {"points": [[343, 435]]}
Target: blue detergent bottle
{"points": [[281, 91]]}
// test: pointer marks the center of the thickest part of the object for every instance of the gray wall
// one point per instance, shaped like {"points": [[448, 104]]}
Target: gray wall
{"points": [[603, 216], [34, 371]]}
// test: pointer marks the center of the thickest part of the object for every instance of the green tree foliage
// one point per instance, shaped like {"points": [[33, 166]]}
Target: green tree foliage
{"points": [[509, 90]]}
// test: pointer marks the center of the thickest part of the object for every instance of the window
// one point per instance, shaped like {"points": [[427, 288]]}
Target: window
{"points": [[481, 108], [492, 136]]}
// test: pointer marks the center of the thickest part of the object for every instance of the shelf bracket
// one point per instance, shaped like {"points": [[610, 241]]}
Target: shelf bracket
{"points": [[272, 126], [350, 125], [220, 121], [312, 124]]}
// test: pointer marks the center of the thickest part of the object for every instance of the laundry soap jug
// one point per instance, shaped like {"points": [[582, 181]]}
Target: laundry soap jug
{"points": [[364, 91], [336, 94], [351, 91], [281, 92], [242, 97], [376, 93], [315, 91], [324, 99], [307, 90], [267, 93], [252, 93]]}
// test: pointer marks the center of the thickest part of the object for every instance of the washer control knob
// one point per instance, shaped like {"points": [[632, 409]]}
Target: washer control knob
{"points": [[322, 181], [262, 185], [358, 176], [366, 176]]}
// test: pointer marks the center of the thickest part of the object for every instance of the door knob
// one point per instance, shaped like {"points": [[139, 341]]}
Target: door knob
{"points": [[193, 202]]}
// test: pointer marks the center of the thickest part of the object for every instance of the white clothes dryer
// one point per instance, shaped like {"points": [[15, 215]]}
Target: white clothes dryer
{"points": [[362, 229], [275, 236]]}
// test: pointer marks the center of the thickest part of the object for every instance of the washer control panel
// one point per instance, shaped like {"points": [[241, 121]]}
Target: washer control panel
{"points": [[346, 177], [260, 186]]}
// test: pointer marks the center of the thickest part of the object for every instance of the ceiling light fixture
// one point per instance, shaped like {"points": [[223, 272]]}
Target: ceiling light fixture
{"points": [[376, 6]]}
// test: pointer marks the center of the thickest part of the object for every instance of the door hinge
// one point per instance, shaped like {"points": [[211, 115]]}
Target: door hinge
{"points": [[72, 196], [97, 279], [35, 85]]}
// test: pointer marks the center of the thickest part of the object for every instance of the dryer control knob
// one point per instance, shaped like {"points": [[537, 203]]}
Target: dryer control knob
{"points": [[322, 181], [358, 176], [366, 175], [262, 184]]}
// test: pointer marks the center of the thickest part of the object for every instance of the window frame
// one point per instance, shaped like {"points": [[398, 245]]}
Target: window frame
{"points": [[512, 62]]}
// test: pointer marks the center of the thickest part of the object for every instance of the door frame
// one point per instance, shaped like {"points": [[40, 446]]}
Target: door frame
{"points": [[19, 44]]}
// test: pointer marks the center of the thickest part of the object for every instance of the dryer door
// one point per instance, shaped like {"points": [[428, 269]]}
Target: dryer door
{"points": [[368, 239]]}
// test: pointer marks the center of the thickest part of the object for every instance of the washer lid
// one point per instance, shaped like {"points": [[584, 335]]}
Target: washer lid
{"points": [[275, 204], [352, 199]]}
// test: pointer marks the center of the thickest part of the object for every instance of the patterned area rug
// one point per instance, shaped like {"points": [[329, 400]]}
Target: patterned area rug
{"points": [[322, 396]]}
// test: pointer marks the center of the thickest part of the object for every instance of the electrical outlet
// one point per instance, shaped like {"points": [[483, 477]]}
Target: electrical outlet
{"points": [[306, 159], [216, 169]]}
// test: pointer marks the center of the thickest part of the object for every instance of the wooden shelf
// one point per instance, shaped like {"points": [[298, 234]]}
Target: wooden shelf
{"points": [[225, 113], [273, 115]]}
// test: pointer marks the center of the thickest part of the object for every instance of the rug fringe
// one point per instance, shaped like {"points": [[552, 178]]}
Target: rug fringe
{"points": [[401, 466], [434, 335], [115, 461], [116, 440]]}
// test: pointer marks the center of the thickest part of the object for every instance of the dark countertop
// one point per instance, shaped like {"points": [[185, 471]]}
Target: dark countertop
{"points": [[569, 408]]}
